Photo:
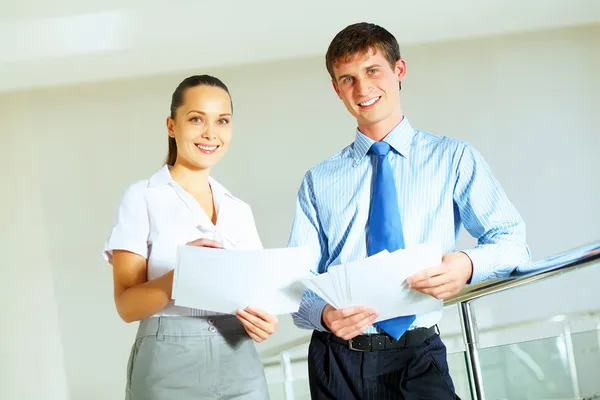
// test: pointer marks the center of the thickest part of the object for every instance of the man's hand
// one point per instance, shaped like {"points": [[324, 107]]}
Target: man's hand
{"points": [[446, 279], [258, 324], [347, 323]]}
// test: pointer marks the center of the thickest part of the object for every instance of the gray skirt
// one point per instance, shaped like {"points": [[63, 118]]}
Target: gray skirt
{"points": [[180, 358]]}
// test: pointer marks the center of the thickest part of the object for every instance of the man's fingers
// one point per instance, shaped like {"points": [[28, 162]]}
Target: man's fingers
{"points": [[444, 296], [431, 282], [358, 328], [349, 311], [445, 291], [426, 274], [350, 321], [440, 292], [357, 322], [336, 320]]}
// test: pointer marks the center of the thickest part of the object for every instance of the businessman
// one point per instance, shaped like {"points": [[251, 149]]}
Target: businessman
{"points": [[393, 187]]}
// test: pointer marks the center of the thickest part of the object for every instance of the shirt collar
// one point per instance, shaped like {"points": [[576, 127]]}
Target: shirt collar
{"points": [[399, 139], [163, 177]]}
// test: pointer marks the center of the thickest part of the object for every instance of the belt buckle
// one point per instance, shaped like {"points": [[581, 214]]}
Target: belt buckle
{"points": [[351, 346]]}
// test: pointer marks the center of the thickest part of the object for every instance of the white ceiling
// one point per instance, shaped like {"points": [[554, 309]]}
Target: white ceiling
{"points": [[71, 41]]}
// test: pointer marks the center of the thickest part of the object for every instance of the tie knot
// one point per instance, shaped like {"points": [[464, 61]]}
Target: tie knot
{"points": [[380, 148]]}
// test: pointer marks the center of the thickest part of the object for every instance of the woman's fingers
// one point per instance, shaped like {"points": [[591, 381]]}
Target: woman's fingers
{"points": [[259, 324], [205, 243], [255, 332]]}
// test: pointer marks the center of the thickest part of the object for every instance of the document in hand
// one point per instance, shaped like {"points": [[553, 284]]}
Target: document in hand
{"points": [[223, 281], [379, 281]]}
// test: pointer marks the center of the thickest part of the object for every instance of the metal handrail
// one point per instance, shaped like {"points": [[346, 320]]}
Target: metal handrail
{"points": [[551, 266]]}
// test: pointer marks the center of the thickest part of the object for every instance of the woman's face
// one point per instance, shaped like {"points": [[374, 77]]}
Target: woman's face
{"points": [[202, 127]]}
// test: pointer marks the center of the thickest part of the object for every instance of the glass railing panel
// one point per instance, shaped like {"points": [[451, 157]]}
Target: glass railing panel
{"points": [[450, 330], [586, 349], [459, 374], [301, 389], [540, 340], [566, 302], [276, 391], [451, 334], [563, 367]]}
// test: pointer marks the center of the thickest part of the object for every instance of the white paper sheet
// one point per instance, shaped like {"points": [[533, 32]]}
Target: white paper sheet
{"points": [[380, 282], [225, 280]]}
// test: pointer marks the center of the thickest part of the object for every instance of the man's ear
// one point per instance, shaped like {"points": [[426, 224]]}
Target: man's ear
{"points": [[335, 87], [400, 70]]}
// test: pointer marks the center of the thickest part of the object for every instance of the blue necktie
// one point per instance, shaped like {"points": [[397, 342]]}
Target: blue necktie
{"points": [[385, 228]]}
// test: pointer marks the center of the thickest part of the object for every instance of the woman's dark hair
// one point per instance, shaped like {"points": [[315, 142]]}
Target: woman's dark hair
{"points": [[177, 101]]}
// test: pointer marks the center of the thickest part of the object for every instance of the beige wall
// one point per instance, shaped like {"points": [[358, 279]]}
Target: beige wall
{"points": [[527, 102], [31, 350]]}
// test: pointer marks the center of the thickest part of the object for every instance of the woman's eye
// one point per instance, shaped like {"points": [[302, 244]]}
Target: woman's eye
{"points": [[196, 120], [223, 121]]}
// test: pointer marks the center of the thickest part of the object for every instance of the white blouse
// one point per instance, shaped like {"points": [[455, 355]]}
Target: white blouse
{"points": [[156, 215]]}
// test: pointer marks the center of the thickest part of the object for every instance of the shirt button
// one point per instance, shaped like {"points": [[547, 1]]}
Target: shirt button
{"points": [[212, 329], [211, 321]]}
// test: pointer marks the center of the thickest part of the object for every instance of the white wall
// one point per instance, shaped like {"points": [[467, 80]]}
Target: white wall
{"points": [[31, 351], [526, 102]]}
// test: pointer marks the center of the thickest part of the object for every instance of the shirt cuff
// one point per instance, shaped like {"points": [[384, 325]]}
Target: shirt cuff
{"points": [[315, 314], [481, 264]]}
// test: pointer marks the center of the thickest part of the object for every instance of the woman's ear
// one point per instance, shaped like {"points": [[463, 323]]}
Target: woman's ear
{"points": [[171, 127]]}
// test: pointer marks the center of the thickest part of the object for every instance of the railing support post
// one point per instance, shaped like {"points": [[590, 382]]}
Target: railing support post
{"points": [[470, 337], [288, 380]]}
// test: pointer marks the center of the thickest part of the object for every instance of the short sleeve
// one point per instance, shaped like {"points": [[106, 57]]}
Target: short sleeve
{"points": [[131, 226]]}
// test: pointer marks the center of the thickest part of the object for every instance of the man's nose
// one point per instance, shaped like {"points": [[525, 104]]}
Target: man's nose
{"points": [[362, 87]]}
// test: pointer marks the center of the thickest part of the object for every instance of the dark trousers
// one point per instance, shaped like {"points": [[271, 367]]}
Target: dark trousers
{"points": [[418, 372]]}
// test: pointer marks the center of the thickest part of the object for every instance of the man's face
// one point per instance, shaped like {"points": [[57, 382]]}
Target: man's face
{"points": [[368, 86]]}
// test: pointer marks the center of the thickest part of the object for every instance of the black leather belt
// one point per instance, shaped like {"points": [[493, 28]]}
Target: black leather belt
{"points": [[378, 342]]}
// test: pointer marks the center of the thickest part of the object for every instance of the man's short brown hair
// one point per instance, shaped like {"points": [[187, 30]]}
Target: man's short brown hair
{"points": [[360, 38]]}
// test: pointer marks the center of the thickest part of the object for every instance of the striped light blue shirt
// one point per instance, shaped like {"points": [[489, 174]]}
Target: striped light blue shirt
{"points": [[442, 184]]}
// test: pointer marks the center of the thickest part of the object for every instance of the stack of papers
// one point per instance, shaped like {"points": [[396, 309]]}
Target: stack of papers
{"points": [[223, 281], [274, 280], [379, 281]]}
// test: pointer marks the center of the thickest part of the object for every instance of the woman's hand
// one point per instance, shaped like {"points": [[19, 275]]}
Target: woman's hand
{"points": [[258, 324], [205, 243]]}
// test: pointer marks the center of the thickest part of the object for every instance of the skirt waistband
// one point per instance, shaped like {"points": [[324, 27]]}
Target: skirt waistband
{"points": [[219, 325]]}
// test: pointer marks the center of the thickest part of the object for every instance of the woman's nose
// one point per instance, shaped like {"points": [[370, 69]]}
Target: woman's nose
{"points": [[208, 132]]}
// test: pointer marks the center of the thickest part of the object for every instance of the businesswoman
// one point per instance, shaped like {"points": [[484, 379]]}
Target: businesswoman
{"points": [[182, 353]]}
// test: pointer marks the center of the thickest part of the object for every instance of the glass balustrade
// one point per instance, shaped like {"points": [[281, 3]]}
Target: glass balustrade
{"points": [[535, 336]]}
